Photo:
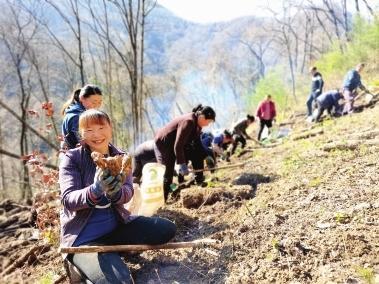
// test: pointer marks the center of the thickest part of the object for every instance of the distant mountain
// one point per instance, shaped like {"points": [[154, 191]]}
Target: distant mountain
{"points": [[169, 38]]}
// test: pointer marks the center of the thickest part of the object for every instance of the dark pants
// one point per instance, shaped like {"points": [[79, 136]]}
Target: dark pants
{"points": [[238, 138], [166, 157], [109, 267], [311, 98], [195, 153], [264, 123], [321, 110]]}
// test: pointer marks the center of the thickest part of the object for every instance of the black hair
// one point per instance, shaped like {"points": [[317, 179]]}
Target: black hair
{"points": [[227, 134], [250, 117], [85, 92], [207, 111]]}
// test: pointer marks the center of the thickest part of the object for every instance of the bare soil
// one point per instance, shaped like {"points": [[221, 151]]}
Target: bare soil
{"points": [[305, 210]]}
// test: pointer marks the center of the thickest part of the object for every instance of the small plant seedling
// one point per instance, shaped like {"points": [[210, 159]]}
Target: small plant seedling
{"points": [[315, 182], [367, 274], [342, 218], [275, 244]]}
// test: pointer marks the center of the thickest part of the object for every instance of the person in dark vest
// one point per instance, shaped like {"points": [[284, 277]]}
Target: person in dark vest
{"points": [[171, 140], [266, 112], [328, 101], [316, 89], [351, 83], [239, 132]]}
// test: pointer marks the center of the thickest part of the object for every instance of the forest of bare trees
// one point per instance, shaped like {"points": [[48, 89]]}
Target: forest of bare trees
{"points": [[149, 64]]}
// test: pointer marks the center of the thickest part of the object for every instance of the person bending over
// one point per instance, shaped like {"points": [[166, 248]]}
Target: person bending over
{"points": [[170, 140]]}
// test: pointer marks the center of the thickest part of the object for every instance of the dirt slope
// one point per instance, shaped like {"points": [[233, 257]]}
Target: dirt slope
{"points": [[303, 211]]}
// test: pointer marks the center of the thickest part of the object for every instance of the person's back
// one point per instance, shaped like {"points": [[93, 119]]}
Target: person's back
{"points": [[317, 84], [143, 154], [352, 80], [171, 140], [328, 101], [329, 98], [166, 136], [70, 125], [145, 151], [218, 140], [240, 127]]}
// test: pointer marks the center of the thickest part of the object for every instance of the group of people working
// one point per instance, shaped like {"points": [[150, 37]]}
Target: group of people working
{"points": [[93, 201], [319, 101]]}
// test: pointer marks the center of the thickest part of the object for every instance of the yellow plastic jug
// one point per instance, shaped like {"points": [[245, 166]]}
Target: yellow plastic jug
{"points": [[151, 190]]}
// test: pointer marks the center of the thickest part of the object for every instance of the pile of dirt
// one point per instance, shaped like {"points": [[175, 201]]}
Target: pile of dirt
{"points": [[193, 198]]}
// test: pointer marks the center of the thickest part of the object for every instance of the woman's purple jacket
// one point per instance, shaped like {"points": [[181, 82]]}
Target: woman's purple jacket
{"points": [[76, 174]]}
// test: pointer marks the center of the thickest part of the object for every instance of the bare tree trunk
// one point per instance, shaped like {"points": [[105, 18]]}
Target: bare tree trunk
{"points": [[132, 16], [76, 59], [141, 77], [335, 23], [2, 170], [311, 40], [24, 104], [149, 121], [258, 56], [357, 6], [17, 44], [307, 29], [323, 27], [107, 63], [345, 20], [290, 61], [75, 9], [369, 8]]}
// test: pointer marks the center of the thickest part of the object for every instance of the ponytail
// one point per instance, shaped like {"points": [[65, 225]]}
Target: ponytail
{"points": [[207, 111], [72, 100], [250, 117], [197, 108], [85, 92]]}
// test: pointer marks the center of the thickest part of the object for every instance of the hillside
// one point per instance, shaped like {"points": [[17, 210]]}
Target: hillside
{"points": [[302, 211]]}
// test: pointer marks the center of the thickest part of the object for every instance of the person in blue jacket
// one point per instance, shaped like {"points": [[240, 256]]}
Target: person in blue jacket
{"points": [[316, 88], [88, 97], [328, 101], [197, 151], [221, 142], [351, 83]]}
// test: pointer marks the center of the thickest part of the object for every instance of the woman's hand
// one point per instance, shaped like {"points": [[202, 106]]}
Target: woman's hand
{"points": [[105, 183]]}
